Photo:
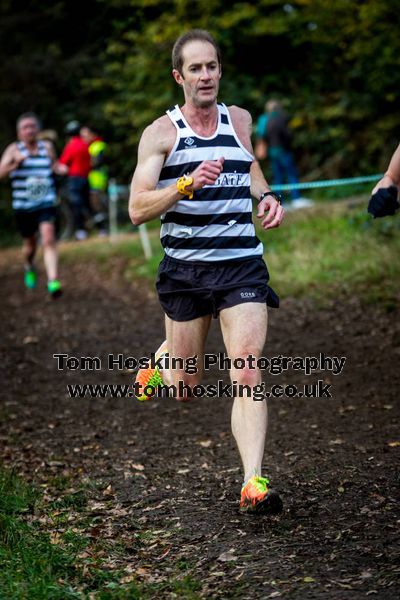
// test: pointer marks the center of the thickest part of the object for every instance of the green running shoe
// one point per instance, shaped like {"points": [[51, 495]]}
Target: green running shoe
{"points": [[30, 278], [54, 288]]}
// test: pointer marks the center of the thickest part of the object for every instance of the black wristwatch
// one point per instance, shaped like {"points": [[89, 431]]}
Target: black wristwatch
{"points": [[277, 197]]}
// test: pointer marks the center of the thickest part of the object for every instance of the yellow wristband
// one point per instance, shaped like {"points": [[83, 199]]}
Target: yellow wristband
{"points": [[182, 184]]}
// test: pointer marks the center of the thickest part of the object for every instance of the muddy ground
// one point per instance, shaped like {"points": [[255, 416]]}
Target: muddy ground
{"points": [[165, 477]]}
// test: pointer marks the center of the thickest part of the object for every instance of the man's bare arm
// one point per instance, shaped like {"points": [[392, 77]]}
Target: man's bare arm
{"points": [[145, 201], [392, 175], [10, 160]]}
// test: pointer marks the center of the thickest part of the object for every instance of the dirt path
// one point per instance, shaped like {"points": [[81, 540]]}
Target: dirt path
{"points": [[166, 475]]}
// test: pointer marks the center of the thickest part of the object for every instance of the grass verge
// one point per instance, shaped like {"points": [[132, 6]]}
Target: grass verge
{"points": [[330, 250], [334, 250], [43, 556]]}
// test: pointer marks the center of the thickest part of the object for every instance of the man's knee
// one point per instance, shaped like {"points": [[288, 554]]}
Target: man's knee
{"points": [[48, 235], [49, 242], [246, 371], [246, 376]]}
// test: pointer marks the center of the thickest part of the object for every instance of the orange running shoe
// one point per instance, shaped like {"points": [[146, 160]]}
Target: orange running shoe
{"points": [[150, 376], [258, 498]]}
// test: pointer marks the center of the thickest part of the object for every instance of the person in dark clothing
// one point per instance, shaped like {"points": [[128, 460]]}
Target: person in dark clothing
{"points": [[31, 163], [98, 176], [278, 145], [76, 157]]}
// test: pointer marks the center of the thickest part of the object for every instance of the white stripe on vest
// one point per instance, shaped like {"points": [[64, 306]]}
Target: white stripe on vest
{"points": [[33, 182], [216, 225]]}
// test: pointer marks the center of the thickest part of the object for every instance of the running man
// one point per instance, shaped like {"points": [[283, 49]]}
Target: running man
{"points": [[197, 171], [30, 163]]}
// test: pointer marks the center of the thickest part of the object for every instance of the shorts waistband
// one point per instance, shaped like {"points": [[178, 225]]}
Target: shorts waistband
{"points": [[211, 263]]}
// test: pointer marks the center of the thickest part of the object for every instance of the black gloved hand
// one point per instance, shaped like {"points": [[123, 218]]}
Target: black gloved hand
{"points": [[383, 202]]}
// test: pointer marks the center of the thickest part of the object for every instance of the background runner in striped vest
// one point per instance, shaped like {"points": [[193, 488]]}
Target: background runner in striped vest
{"points": [[30, 162]]}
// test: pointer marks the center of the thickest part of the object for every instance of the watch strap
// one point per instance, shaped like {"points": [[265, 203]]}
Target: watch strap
{"points": [[277, 197]]}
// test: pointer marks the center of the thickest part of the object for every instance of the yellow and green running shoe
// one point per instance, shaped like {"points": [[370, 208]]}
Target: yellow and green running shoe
{"points": [[258, 498], [30, 278], [150, 377]]}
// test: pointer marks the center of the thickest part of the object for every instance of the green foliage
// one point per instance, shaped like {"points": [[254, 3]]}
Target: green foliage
{"points": [[333, 251], [333, 65]]}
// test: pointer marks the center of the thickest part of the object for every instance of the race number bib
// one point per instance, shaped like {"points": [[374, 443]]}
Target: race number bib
{"points": [[37, 188]]}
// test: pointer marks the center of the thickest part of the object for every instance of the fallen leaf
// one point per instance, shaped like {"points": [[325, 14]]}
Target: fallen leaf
{"points": [[336, 442], [394, 444], [137, 467], [127, 579], [97, 506], [308, 579], [108, 491], [30, 339], [366, 574], [227, 556], [205, 443], [55, 538]]}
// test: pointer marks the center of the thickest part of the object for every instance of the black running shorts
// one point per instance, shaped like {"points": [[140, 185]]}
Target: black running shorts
{"points": [[28, 221], [188, 289]]}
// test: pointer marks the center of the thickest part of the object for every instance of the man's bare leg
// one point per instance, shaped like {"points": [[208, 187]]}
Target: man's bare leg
{"points": [[29, 250], [50, 256], [184, 340], [244, 328]]}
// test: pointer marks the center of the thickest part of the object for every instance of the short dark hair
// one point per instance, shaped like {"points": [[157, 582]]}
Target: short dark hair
{"points": [[92, 128], [193, 35], [29, 115]]}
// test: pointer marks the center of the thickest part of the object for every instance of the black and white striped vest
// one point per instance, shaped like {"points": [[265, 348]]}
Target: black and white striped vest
{"points": [[33, 182], [216, 225]]}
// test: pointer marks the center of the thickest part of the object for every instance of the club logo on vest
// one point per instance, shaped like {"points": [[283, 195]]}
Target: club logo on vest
{"points": [[230, 179], [189, 142]]}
